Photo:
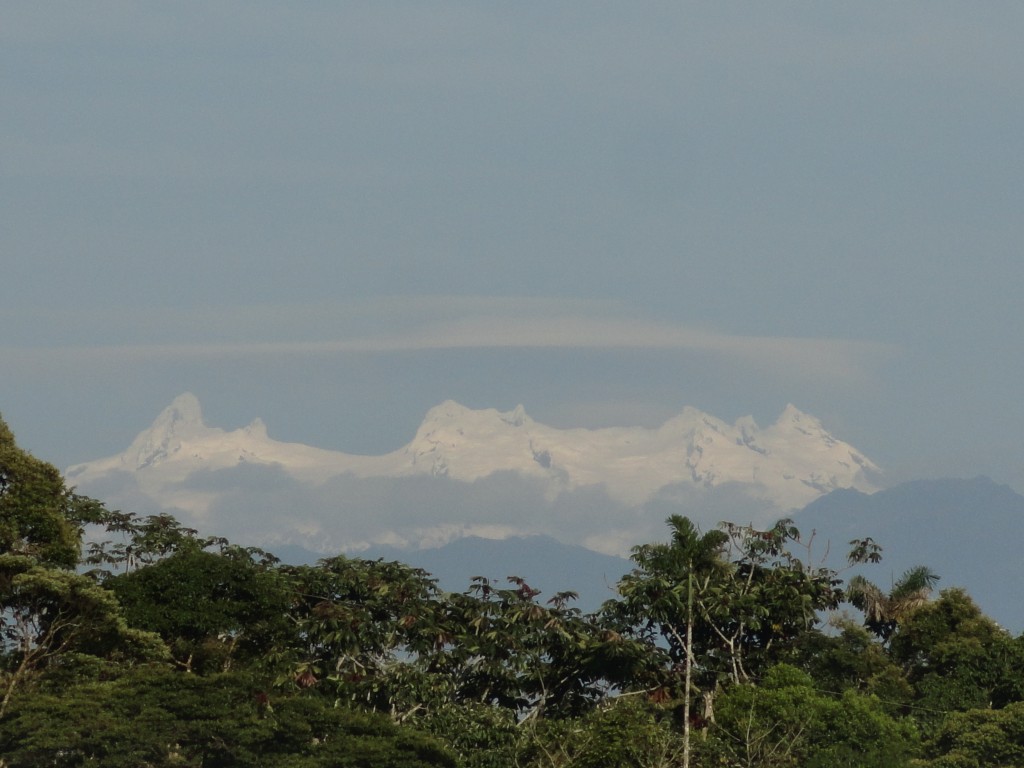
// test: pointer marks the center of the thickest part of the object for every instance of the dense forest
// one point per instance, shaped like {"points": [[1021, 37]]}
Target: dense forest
{"points": [[135, 641]]}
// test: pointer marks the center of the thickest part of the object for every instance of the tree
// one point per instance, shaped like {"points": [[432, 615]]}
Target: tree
{"points": [[956, 658], [725, 604], [210, 608], [851, 658], [536, 659], [39, 517], [362, 628], [883, 613], [51, 614], [147, 540], [786, 721], [661, 595], [979, 738], [47, 611], [155, 716], [624, 731], [381, 635]]}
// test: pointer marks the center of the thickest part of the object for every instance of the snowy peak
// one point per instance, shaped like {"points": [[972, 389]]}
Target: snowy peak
{"points": [[453, 415], [185, 408], [786, 465], [792, 413], [795, 420], [257, 430], [182, 420], [516, 417], [465, 444]]}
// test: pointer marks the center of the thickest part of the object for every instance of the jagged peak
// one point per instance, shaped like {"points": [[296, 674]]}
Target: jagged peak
{"points": [[446, 415], [183, 418], [792, 413], [747, 425], [467, 444], [257, 428], [793, 419], [447, 410], [692, 419], [185, 408], [450, 411], [516, 417], [688, 416]]}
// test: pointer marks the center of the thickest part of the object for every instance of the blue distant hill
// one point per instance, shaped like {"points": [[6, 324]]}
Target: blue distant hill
{"points": [[969, 532], [543, 562]]}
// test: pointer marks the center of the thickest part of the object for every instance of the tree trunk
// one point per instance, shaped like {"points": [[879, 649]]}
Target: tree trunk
{"points": [[688, 667]]}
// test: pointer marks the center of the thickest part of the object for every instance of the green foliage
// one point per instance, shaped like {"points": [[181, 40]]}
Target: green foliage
{"points": [[507, 649], [628, 732], [380, 635], [788, 721], [656, 596], [979, 738], [851, 659], [39, 516], [157, 717], [144, 541], [625, 731], [210, 608], [957, 658], [363, 629], [48, 612], [482, 735], [883, 613], [735, 598]]}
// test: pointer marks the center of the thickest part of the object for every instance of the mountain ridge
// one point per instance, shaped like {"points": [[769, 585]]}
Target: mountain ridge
{"points": [[465, 444], [182, 465], [545, 563], [965, 530]]}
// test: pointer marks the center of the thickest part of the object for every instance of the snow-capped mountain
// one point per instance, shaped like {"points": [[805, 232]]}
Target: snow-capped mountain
{"points": [[787, 465], [182, 465]]}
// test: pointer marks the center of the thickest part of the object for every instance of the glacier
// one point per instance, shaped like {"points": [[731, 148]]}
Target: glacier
{"points": [[781, 467]]}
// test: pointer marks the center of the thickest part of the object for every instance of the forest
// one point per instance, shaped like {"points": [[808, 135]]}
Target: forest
{"points": [[130, 640]]}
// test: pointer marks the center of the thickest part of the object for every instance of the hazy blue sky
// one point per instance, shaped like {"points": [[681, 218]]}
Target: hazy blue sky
{"points": [[335, 215]]}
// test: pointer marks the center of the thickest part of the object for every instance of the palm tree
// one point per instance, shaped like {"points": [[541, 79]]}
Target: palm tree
{"points": [[662, 591], [883, 613]]}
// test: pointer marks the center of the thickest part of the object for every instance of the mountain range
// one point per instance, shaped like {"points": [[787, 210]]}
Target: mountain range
{"points": [[458, 462], [496, 494]]}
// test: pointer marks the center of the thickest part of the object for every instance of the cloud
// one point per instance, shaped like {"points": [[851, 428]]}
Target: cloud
{"points": [[263, 506], [397, 325]]}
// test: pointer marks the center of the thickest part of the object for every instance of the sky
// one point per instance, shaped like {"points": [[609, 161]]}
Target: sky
{"points": [[335, 215]]}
